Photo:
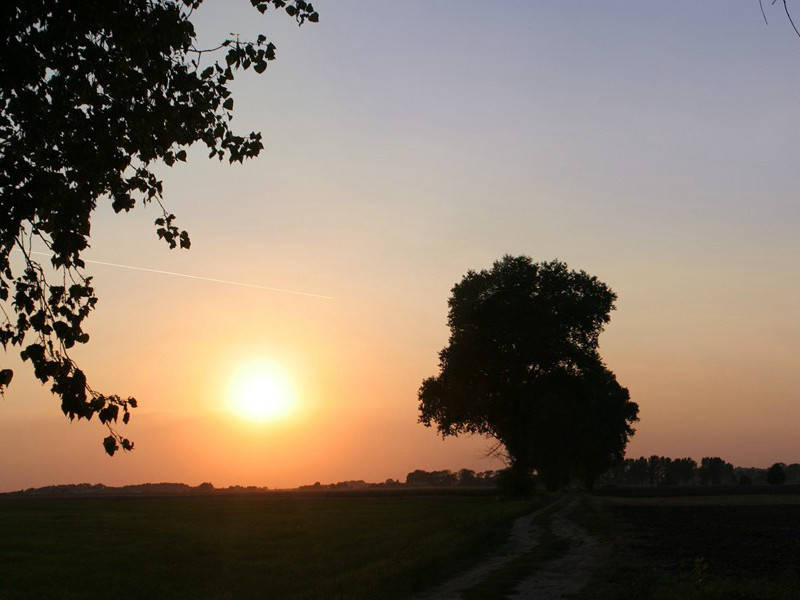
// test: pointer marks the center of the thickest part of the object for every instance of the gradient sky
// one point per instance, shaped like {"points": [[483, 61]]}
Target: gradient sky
{"points": [[651, 144]]}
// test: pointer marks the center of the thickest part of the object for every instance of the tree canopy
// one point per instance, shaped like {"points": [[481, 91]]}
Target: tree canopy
{"points": [[522, 366], [776, 475], [93, 96]]}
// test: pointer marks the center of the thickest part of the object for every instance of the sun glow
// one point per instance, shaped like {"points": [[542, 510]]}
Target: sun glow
{"points": [[262, 392]]}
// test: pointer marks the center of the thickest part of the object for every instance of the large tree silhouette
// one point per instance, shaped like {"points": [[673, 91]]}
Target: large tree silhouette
{"points": [[522, 366], [93, 95]]}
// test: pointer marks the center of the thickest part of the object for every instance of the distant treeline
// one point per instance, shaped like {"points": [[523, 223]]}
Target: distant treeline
{"points": [[712, 470], [416, 479], [656, 471], [141, 489]]}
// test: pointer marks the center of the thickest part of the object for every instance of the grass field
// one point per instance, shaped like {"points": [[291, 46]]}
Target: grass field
{"points": [[242, 547], [388, 546], [734, 547]]}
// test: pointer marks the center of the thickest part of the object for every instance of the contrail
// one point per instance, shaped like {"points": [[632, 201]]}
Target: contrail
{"points": [[198, 277]]}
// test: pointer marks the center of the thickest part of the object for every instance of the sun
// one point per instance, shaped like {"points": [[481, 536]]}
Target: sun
{"points": [[261, 392]]}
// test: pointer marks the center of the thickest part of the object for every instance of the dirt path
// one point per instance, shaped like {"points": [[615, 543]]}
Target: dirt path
{"points": [[568, 574], [523, 537], [552, 580]]}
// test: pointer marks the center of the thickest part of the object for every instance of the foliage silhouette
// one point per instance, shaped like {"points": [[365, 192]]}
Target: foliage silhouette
{"points": [[714, 470], [776, 475], [93, 96], [654, 471], [522, 366], [657, 471]]}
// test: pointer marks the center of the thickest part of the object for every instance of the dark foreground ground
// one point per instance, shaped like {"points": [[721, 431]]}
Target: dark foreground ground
{"points": [[356, 546], [727, 547], [267, 546]]}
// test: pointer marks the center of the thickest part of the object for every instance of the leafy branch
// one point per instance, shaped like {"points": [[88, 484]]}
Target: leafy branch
{"points": [[93, 95]]}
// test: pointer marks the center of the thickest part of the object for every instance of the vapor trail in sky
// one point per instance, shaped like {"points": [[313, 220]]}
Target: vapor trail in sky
{"points": [[198, 277]]}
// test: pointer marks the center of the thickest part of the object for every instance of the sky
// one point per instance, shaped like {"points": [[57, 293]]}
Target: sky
{"points": [[651, 144]]}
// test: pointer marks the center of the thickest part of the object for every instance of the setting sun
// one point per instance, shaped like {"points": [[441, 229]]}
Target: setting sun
{"points": [[261, 392]]}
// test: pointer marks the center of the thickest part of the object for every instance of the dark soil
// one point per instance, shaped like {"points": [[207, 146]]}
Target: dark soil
{"points": [[730, 541]]}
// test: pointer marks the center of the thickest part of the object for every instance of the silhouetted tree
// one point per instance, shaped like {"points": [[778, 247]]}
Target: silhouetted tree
{"points": [[755, 475], [656, 470], [714, 470], [466, 477], [94, 97], [682, 471], [636, 471], [418, 477], [522, 366], [486, 478], [776, 474]]}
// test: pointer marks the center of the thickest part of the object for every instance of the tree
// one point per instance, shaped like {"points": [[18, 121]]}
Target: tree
{"points": [[636, 471], [776, 474], [94, 95], [466, 477], [681, 471], [522, 366], [419, 477], [714, 470]]}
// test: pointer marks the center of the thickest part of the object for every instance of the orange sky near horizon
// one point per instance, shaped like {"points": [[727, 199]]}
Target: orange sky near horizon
{"points": [[634, 142]]}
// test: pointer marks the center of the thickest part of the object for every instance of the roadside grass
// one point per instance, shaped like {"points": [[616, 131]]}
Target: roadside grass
{"points": [[244, 547]]}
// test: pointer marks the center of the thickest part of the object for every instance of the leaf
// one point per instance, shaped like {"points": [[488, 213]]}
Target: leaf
{"points": [[109, 413], [110, 445], [228, 104], [34, 352], [6, 375]]}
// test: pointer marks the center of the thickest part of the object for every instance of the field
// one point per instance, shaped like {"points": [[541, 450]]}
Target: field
{"points": [[724, 547], [269, 546], [394, 546]]}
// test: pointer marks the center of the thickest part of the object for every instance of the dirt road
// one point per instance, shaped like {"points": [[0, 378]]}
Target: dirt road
{"points": [[553, 579]]}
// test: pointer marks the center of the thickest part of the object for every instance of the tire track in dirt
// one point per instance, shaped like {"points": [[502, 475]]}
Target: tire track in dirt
{"points": [[523, 537], [551, 580], [567, 574]]}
